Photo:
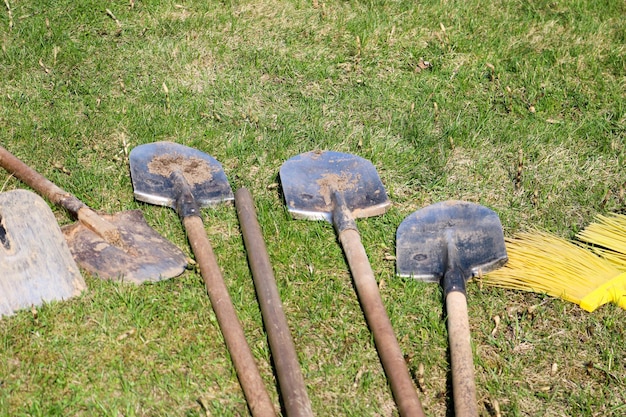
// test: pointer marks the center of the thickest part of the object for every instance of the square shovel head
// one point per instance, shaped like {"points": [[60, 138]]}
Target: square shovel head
{"points": [[152, 166], [36, 265], [309, 180], [423, 239]]}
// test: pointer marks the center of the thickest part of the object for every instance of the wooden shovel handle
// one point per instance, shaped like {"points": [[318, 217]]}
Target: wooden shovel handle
{"points": [[58, 196], [290, 380], [463, 385], [257, 397], [387, 345], [38, 182]]}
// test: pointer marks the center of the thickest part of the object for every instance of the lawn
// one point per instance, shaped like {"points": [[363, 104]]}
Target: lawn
{"points": [[516, 105]]}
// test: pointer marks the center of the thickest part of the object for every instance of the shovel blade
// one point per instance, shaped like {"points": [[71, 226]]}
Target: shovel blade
{"points": [[35, 261], [144, 255], [309, 180], [423, 238], [152, 166]]}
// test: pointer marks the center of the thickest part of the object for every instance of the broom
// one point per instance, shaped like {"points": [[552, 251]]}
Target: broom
{"points": [[607, 238], [546, 264]]}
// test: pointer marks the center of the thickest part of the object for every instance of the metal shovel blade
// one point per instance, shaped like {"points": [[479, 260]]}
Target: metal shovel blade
{"points": [[35, 262], [153, 168], [141, 255], [309, 181], [423, 239], [124, 248]]}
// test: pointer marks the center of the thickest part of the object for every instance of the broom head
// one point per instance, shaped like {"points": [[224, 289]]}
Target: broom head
{"points": [[546, 264], [607, 238]]}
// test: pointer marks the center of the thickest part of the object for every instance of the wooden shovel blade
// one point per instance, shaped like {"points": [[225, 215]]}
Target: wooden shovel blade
{"points": [[152, 166], [309, 180], [422, 240], [35, 262], [142, 255]]}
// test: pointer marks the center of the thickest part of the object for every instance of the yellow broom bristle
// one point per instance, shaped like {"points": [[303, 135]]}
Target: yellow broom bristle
{"points": [[546, 264], [608, 237]]}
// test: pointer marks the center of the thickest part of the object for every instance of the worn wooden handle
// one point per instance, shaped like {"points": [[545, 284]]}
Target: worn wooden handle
{"points": [[290, 380], [37, 181], [57, 196], [257, 397], [463, 385], [391, 356]]}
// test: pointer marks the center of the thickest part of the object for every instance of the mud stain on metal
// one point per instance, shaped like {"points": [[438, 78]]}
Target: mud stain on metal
{"points": [[144, 255], [195, 170], [331, 182]]}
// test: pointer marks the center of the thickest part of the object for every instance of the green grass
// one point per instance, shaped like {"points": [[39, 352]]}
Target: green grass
{"points": [[255, 82]]}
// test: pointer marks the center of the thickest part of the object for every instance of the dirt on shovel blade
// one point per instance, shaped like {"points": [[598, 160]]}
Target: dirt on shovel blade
{"points": [[143, 254]]}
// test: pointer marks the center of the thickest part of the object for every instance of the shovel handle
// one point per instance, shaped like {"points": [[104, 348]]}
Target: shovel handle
{"points": [[290, 380], [463, 385], [257, 397], [58, 196], [387, 345], [38, 182]]}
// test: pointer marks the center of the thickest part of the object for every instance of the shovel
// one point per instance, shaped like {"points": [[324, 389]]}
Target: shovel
{"points": [[120, 246], [35, 261], [449, 242], [185, 179], [339, 187]]}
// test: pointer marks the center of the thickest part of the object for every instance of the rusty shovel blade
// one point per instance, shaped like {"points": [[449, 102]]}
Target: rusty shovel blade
{"points": [[139, 254], [120, 247]]}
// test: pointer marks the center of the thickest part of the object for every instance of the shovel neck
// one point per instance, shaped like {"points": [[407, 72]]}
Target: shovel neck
{"points": [[342, 217], [453, 281], [186, 204], [454, 278]]}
